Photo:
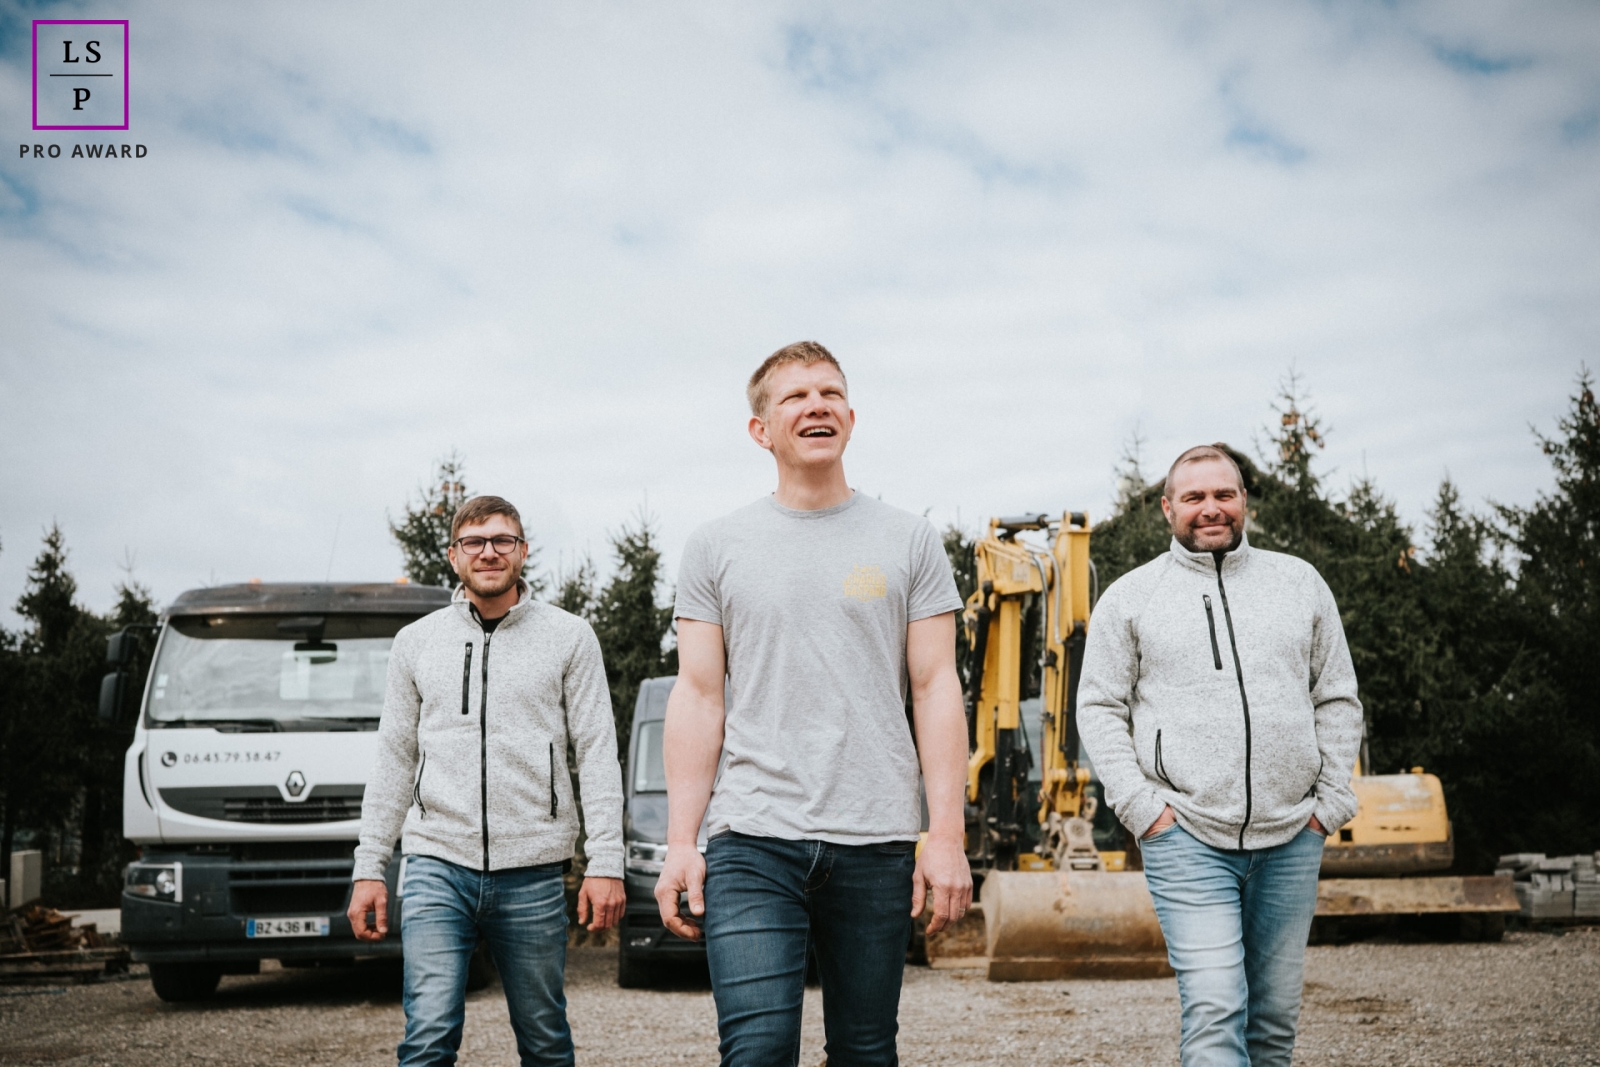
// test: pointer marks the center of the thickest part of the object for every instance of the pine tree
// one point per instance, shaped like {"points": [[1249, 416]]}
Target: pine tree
{"points": [[1551, 705], [51, 764], [424, 533], [575, 589], [631, 625], [1137, 530]]}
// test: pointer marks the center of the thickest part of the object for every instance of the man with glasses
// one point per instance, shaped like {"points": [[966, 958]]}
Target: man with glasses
{"points": [[483, 699]]}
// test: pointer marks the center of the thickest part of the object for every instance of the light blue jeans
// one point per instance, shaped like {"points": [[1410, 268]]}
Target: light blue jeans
{"points": [[445, 911], [1236, 925]]}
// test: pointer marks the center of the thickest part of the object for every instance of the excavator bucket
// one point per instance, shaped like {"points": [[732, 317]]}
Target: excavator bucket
{"points": [[1071, 924]]}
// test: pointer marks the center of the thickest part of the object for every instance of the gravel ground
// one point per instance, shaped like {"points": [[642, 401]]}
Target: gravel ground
{"points": [[1533, 999]]}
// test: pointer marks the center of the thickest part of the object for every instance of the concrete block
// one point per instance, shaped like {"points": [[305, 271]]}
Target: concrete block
{"points": [[1586, 902], [1553, 881], [26, 883], [1556, 904]]}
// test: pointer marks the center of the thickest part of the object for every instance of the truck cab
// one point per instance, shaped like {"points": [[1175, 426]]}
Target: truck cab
{"points": [[244, 782]]}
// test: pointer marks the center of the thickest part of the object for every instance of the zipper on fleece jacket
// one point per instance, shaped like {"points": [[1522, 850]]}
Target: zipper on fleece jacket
{"points": [[416, 790], [483, 749], [1161, 770], [1244, 700], [1211, 624], [552, 779]]}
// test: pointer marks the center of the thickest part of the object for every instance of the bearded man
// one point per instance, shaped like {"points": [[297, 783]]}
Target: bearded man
{"points": [[471, 775], [1218, 703]]}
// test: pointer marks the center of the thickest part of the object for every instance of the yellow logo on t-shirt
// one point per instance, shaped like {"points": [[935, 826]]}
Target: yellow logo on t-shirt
{"points": [[866, 582]]}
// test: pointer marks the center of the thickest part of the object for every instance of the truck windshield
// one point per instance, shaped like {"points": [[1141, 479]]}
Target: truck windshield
{"points": [[273, 672]]}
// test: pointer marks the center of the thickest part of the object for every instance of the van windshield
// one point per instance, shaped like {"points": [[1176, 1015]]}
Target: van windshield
{"points": [[650, 776], [273, 672]]}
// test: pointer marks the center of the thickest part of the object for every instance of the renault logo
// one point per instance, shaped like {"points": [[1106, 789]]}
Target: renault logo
{"points": [[296, 783], [169, 759]]}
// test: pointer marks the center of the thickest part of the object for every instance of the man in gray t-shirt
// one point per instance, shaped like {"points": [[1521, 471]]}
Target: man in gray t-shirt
{"points": [[814, 607], [823, 609]]}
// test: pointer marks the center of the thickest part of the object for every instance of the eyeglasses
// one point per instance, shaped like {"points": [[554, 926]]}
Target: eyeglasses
{"points": [[503, 544]]}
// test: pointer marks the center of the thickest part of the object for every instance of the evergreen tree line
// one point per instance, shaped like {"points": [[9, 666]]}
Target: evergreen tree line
{"points": [[60, 767]]}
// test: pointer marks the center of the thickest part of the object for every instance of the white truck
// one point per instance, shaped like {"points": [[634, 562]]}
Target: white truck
{"points": [[243, 784]]}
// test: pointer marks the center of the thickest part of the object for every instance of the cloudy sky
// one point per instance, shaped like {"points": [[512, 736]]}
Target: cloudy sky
{"points": [[557, 238]]}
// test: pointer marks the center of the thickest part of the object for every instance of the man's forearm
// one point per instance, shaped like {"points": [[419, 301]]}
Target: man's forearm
{"points": [[691, 746], [941, 724]]}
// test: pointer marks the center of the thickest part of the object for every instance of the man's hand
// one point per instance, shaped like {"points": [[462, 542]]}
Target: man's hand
{"points": [[601, 902], [943, 871], [369, 895], [1315, 826], [1166, 819], [684, 872]]}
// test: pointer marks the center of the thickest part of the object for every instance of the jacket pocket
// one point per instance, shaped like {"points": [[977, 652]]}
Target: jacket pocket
{"points": [[525, 793], [1161, 770], [416, 787], [466, 680], [1321, 762], [1211, 624]]}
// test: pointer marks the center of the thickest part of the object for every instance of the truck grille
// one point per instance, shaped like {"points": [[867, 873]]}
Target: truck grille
{"points": [[283, 889], [264, 804], [275, 809]]}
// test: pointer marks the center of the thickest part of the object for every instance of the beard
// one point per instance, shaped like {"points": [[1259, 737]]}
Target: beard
{"points": [[490, 584], [1190, 538]]}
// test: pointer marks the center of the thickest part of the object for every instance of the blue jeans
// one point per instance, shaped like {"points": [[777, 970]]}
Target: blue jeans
{"points": [[445, 910], [767, 900], [1236, 925]]}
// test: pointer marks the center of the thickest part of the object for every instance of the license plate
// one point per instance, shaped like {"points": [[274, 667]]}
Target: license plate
{"points": [[315, 927]]}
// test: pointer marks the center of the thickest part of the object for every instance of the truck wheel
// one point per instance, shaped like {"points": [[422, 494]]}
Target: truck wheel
{"points": [[480, 969], [634, 973], [176, 983]]}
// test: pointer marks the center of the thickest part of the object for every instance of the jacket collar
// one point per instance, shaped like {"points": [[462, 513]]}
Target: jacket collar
{"points": [[1206, 563], [463, 606]]}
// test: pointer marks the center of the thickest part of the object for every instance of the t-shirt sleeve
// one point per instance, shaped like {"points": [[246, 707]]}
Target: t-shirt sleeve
{"points": [[698, 597], [933, 586]]}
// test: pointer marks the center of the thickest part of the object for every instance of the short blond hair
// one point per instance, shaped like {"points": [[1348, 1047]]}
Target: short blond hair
{"points": [[804, 352], [1198, 454]]}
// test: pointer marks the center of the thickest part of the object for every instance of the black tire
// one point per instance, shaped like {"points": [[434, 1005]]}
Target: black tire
{"points": [[635, 973], [480, 969], [179, 983]]}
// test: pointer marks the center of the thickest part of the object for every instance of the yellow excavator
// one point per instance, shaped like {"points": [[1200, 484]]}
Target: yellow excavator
{"points": [[1053, 904]]}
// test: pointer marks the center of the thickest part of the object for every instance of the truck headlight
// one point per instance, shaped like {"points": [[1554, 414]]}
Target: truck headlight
{"points": [[159, 881], [646, 858]]}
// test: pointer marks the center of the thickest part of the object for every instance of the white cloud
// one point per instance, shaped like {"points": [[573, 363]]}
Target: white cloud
{"points": [[558, 238]]}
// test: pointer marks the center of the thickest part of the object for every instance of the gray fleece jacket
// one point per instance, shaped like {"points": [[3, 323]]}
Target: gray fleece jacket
{"points": [[472, 747], [1225, 690]]}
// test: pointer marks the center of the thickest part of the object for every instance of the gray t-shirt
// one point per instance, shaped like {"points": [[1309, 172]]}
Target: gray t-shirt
{"points": [[813, 607]]}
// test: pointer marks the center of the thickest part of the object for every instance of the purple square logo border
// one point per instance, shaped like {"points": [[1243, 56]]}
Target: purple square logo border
{"points": [[34, 52]]}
